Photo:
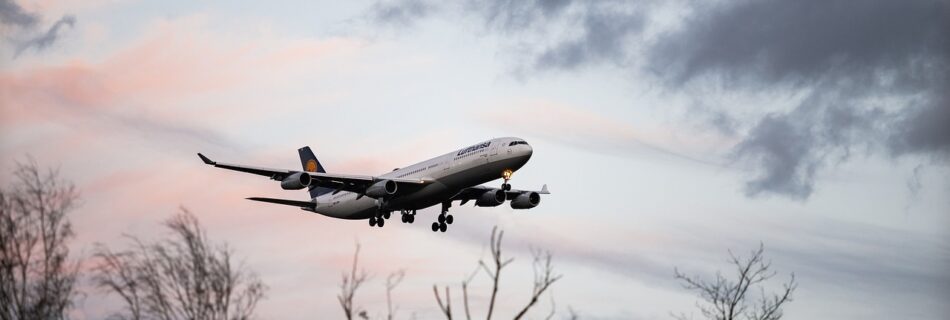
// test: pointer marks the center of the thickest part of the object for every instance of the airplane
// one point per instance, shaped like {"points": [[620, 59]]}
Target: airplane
{"points": [[454, 176]]}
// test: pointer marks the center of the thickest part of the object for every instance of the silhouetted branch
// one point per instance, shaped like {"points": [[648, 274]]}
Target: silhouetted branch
{"points": [[349, 284], [392, 281], [498, 264], [447, 306], [543, 278], [728, 300]]}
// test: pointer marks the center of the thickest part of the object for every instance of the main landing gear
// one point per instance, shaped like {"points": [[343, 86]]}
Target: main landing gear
{"points": [[380, 218], [445, 219], [408, 216]]}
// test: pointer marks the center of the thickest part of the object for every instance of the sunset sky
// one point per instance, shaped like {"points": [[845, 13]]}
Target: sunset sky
{"points": [[669, 132]]}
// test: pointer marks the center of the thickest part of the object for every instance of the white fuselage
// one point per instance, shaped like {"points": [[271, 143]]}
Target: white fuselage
{"points": [[448, 173]]}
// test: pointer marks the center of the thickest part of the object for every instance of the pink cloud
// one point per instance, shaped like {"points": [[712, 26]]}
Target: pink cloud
{"points": [[580, 127]]}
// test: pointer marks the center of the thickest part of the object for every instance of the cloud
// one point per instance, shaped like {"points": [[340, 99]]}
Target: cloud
{"points": [[847, 58], [45, 40], [401, 13], [12, 14], [132, 91], [593, 131], [514, 16], [604, 38], [868, 76]]}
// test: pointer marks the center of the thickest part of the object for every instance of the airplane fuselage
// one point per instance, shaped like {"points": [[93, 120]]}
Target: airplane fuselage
{"points": [[448, 173]]}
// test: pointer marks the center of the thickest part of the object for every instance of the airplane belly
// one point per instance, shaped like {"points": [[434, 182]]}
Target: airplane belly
{"points": [[363, 208], [428, 196]]}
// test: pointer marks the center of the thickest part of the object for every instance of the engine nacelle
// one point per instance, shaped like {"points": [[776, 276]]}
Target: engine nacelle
{"points": [[526, 200], [491, 198], [296, 181], [382, 189]]}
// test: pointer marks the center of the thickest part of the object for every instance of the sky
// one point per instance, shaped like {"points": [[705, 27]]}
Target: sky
{"points": [[669, 133]]}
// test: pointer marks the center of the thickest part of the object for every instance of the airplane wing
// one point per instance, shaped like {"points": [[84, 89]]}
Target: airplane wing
{"points": [[473, 193], [341, 182]]}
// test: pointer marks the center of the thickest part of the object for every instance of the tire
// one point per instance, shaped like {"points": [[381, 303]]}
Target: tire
{"points": [[387, 214], [435, 226], [380, 223], [372, 222], [443, 227], [441, 219], [449, 219], [411, 218]]}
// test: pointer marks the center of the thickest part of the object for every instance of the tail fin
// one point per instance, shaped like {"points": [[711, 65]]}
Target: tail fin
{"points": [[310, 164]]}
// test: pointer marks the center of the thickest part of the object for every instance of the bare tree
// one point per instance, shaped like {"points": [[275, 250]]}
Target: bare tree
{"points": [[495, 272], [183, 277], [392, 281], [727, 299], [544, 277], [348, 286], [37, 278], [447, 306]]}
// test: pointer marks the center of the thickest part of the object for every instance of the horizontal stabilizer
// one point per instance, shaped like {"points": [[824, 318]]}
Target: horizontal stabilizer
{"points": [[296, 203]]}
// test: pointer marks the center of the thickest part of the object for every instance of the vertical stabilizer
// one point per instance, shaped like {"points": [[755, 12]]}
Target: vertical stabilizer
{"points": [[310, 164]]}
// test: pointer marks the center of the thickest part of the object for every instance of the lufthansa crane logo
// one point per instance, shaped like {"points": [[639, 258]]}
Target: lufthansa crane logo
{"points": [[311, 165]]}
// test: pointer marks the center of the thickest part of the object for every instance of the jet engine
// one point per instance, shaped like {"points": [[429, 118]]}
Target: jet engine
{"points": [[296, 181], [382, 189], [526, 200], [491, 198]]}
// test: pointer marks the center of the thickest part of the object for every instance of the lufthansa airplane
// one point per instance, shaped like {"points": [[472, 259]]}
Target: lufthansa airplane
{"points": [[441, 180]]}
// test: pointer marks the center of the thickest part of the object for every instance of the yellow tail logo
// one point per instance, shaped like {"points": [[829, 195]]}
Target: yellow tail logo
{"points": [[311, 165]]}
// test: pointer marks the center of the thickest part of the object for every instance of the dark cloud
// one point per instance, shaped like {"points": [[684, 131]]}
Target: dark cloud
{"points": [[514, 15], [12, 14], [868, 76], [46, 39], [604, 38], [774, 41], [25, 37], [401, 12], [848, 56]]}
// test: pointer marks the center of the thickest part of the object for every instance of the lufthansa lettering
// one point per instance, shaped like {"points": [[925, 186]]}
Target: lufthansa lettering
{"points": [[474, 148]]}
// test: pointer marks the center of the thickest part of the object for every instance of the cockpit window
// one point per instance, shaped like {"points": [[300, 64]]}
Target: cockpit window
{"points": [[517, 143]]}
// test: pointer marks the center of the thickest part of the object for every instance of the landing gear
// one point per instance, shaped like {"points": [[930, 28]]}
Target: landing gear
{"points": [[379, 219], [408, 217], [445, 219], [376, 222], [506, 175]]}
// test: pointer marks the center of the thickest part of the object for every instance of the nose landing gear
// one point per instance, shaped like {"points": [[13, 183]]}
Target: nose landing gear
{"points": [[506, 175]]}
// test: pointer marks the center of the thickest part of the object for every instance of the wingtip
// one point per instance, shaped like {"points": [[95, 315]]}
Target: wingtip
{"points": [[205, 159]]}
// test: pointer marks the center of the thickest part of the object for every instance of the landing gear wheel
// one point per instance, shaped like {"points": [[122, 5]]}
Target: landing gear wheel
{"points": [[387, 214], [380, 223], [506, 187], [410, 218], [405, 218], [372, 221], [449, 219], [443, 227], [441, 218], [435, 226]]}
